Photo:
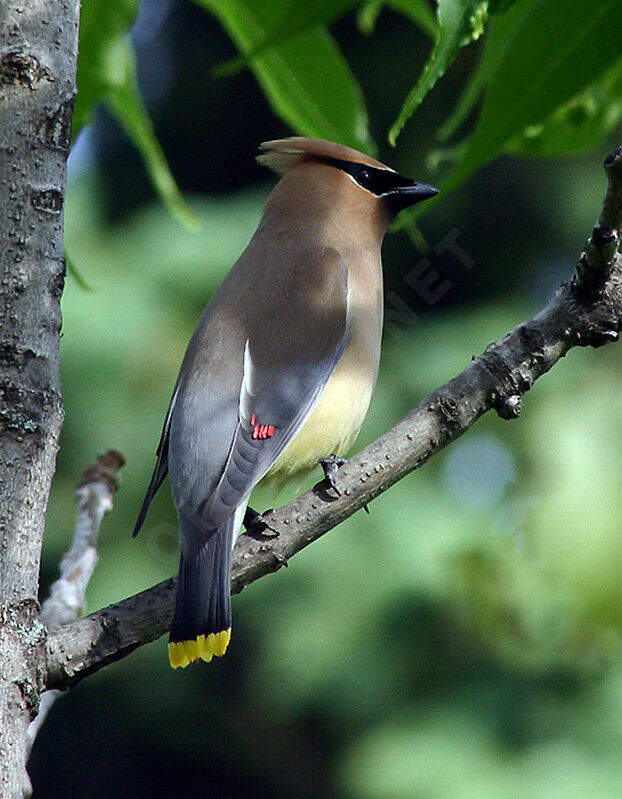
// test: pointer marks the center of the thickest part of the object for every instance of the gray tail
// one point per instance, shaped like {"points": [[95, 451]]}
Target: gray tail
{"points": [[202, 622]]}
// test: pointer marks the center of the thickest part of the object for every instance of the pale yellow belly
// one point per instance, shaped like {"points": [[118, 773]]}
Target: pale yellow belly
{"points": [[336, 420], [333, 425]]}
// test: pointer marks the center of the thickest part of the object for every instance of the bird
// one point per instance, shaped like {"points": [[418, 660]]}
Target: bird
{"points": [[279, 373]]}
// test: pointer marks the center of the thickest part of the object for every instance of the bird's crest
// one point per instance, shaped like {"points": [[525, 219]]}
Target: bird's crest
{"points": [[282, 154]]}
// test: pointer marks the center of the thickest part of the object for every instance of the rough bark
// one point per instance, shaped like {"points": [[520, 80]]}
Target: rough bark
{"points": [[585, 311], [38, 52]]}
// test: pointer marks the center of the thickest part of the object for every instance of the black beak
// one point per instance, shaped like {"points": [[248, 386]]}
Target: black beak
{"points": [[408, 194]]}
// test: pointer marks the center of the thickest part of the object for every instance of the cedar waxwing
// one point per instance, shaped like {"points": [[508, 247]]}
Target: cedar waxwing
{"points": [[281, 368]]}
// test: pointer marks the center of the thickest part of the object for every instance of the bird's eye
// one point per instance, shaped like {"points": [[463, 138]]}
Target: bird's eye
{"points": [[364, 178]]}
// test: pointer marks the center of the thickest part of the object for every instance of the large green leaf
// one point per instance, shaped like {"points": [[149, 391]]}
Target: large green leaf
{"points": [[107, 72], [580, 125], [460, 22], [560, 49], [299, 16], [305, 78]]}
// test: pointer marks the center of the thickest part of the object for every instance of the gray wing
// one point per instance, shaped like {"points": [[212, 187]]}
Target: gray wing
{"points": [[273, 407], [293, 338]]}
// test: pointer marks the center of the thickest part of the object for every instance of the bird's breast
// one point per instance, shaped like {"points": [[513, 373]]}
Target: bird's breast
{"points": [[336, 420]]}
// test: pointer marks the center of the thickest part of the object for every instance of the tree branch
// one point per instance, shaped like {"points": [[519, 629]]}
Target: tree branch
{"points": [[67, 598], [586, 311]]}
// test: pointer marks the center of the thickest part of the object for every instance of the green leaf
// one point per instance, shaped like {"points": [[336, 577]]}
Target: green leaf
{"points": [[124, 100], [561, 48], [103, 26], [578, 126], [107, 72], [306, 78], [498, 38], [460, 22], [299, 16]]}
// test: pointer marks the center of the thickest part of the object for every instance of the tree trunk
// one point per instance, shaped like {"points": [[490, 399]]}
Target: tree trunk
{"points": [[38, 58]]}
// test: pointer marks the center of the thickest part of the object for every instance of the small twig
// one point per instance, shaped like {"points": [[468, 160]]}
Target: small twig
{"points": [[586, 311], [94, 497], [611, 213], [598, 257], [67, 599]]}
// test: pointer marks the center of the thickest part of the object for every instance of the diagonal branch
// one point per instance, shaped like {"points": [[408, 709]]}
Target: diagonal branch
{"points": [[585, 311]]}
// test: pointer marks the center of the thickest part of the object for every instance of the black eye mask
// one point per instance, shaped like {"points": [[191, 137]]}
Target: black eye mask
{"points": [[375, 180]]}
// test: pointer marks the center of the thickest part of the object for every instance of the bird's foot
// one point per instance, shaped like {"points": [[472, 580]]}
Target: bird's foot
{"points": [[257, 526], [330, 466]]}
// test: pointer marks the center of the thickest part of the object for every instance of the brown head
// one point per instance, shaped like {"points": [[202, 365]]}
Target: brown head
{"points": [[329, 177]]}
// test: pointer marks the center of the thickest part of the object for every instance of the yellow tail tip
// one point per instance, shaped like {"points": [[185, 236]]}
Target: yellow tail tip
{"points": [[204, 647]]}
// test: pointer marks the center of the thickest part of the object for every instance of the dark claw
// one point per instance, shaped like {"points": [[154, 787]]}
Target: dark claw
{"points": [[330, 467], [257, 526]]}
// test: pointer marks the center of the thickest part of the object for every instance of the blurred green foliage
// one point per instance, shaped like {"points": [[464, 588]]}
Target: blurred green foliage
{"points": [[459, 23], [556, 50], [107, 73], [549, 74], [462, 641]]}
